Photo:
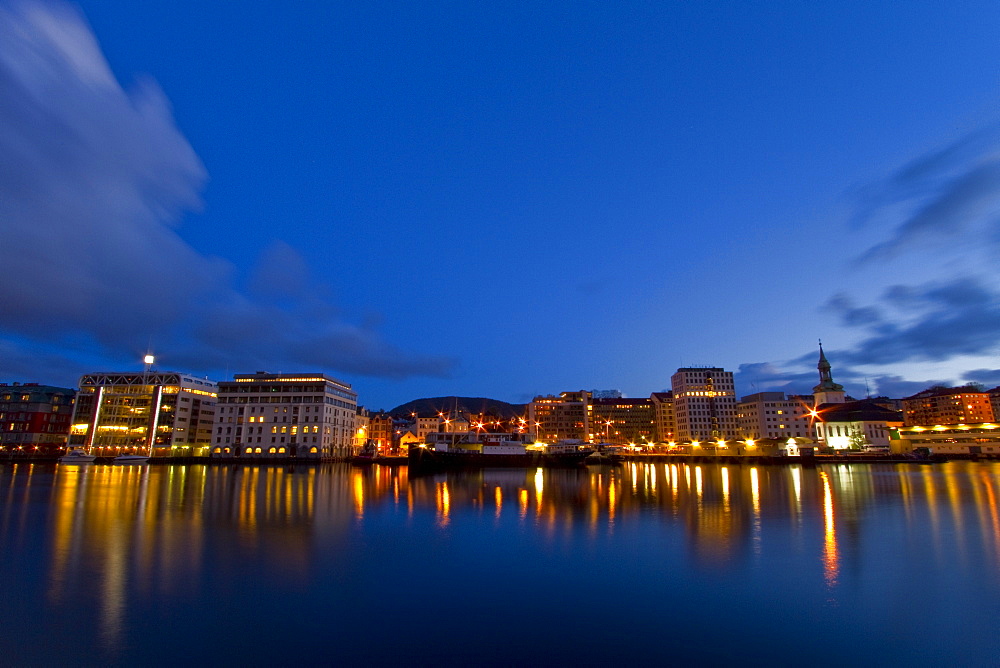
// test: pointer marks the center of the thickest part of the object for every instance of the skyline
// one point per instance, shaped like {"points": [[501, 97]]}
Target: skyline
{"points": [[503, 201]]}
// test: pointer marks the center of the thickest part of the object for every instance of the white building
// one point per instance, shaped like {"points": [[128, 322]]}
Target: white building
{"points": [[704, 404], [285, 415], [842, 424], [772, 415]]}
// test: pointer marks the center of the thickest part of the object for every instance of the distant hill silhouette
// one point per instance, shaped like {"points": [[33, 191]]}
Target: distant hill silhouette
{"points": [[434, 405]]}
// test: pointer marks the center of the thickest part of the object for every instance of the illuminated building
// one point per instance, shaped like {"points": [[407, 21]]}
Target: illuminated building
{"points": [[381, 431], [856, 425], [427, 424], [704, 404], [663, 414], [948, 405], [622, 421], [772, 415], [564, 417], [272, 415], [158, 412], [842, 424], [952, 439], [34, 419]]}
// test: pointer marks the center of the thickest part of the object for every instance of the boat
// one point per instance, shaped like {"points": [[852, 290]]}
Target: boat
{"points": [[77, 456], [130, 459]]}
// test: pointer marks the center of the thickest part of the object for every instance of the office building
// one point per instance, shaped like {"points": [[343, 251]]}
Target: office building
{"points": [[269, 415], [620, 421], [772, 415], [155, 413], [567, 416], [704, 404]]}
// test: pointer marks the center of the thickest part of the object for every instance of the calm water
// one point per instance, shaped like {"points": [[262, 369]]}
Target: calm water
{"points": [[894, 564]]}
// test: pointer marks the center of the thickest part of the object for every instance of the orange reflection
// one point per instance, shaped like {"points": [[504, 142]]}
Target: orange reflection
{"points": [[831, 557]]}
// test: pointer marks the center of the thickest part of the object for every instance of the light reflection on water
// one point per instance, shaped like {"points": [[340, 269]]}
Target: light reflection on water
{"points": [[192, 552]]}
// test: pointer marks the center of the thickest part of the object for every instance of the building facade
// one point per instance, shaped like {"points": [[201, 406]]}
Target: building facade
{"points": [[948, 405], [567, 416], [663, 414], [704, 404], [266, 415], [158, 413], [621, 421], [841, 424], [772, 415], [34, 419], [856, 425]]}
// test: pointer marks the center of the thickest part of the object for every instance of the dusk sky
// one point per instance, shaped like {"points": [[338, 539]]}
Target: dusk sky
{"points": [[502, 199]]}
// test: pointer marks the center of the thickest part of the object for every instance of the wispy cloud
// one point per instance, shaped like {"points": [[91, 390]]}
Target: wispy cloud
{"points": [[930, 322], [952, 191], [94, 180]]}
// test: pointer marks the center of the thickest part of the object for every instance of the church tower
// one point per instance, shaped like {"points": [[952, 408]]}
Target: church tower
{"points": [[827, 392]]}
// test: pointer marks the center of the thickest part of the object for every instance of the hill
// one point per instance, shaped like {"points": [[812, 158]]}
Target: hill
{"points": [[469, 404]]}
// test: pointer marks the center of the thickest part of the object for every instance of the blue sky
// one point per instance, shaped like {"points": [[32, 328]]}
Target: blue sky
{"points": [[503, 200]]}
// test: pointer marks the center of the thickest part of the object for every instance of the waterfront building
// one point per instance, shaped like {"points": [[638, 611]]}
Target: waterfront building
{"points": [[841, 424], [34, 419], [704, 404], [951, 439], [995, 402], [663, 414], [567, 416], [152, 412], [426, 425], [309, 415], [856, 425], [948, 405], [772, 415], [381, 431], [621, 421], [361, 420]]}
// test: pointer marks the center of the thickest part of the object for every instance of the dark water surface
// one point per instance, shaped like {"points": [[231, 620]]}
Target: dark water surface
{"points": [[165, 565]]}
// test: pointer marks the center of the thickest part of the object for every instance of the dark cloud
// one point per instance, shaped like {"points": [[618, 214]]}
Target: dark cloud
{"points": [[851, 315], [988, 377], [898, 387], [933, 322], [951, 191], [93, 182]]}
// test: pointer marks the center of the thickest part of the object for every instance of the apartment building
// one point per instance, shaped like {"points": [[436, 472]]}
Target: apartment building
{"points": [[948, 405], [34, 419]]}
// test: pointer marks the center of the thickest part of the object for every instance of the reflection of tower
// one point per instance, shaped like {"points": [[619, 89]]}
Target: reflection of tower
{"points": [[827, 392]]}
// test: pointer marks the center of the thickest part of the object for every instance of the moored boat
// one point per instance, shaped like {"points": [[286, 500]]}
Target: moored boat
{"points": [[130, 459], [77, 456]]}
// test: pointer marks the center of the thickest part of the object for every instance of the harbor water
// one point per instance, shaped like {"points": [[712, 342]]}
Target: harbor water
{"points": [[884, 564]]}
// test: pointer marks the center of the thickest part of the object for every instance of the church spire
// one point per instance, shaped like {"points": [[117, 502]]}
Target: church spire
{"points": [[827, 392]]}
